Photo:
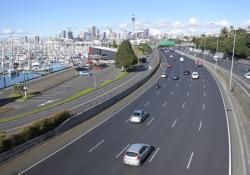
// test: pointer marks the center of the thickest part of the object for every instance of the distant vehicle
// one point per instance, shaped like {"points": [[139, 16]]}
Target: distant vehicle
{"points": [[169, 65], [195, 75], [137, 153], [175, 77], [186, 72], [84, 73], [248, 70], [171, 56], [138, 116], [181, 59], [163, 75], [216, 58], [199, 63], [247, 75]]}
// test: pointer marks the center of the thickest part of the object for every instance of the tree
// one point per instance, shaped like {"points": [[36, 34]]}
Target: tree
{"points": [[114, 45], [125, 56], [145, 48]]}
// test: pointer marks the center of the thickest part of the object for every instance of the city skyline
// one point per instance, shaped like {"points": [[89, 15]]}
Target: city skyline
{"points": [[48, 18]]}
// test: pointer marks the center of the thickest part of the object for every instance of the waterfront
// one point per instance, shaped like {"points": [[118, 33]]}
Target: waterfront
{"points": [[9, 80]]}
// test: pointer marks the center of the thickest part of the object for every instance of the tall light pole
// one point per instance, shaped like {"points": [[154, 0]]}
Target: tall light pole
{"points": [[204, 57], [232, 64]]}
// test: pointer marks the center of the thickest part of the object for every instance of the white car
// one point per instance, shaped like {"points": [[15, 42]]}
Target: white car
{"points": [[138, 116], [195, 75], [137, 153], [181, 59], [171, 56], [163, 75], [247, 75], [216, 58]]}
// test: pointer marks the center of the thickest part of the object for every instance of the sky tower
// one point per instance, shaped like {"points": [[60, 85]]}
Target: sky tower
{"points": [[133, 24]]}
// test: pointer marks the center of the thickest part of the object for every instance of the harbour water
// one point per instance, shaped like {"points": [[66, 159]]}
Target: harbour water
{"points": [[9, 80]]}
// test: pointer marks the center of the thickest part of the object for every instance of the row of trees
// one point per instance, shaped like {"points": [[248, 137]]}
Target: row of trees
{"points": [[125, 56], [225, 42]]}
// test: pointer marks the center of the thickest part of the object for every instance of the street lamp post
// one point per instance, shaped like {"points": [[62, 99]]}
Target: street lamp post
{"points": [[232, 64]]}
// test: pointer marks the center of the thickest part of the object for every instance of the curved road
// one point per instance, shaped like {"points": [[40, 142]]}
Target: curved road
{"points": [[187, 126]]}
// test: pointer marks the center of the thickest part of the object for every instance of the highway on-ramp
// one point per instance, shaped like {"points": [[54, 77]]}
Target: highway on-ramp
{"points": [[187, 127]]}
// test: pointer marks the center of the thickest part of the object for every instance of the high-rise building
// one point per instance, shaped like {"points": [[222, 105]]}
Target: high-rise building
{"points": [[37, 39], [98, 33], [26, 40], [104, 35], [63, 34], [70, 35], [93, 31], [133, 24], [146, 33]]}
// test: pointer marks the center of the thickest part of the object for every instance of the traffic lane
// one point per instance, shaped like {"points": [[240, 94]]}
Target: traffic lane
{"points": [[98, 137]]}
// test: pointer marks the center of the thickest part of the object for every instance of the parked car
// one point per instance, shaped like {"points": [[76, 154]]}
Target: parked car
{"points": [[169, 65], [195, 75], [137, 153], [138, 116], [84, 73]]}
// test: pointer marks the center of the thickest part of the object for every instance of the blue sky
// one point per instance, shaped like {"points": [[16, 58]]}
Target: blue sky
{"points": [[49, 17]]}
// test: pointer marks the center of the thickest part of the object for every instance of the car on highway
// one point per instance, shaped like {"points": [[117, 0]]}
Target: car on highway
{"points": [[186, 72], [199, 64], [163, 75], [138, 116], [195, 75], [137, 153], [247, 75], [215, 58], [171, 56], [169, 65], [84, 73], [175, 77], [248, 70], [181, 59]]}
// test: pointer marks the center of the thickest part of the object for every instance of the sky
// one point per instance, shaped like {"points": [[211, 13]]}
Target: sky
{"points": [[49, 17]]}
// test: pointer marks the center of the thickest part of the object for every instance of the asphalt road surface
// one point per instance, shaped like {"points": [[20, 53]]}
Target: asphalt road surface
{"points": [[187, 127]]}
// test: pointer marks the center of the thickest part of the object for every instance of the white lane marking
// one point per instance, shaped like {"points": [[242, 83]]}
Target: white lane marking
{"points": [[164, 104], [174, 123], [190, 85], [157, 93], [184, 104], [188, 94], [150, 122], [98, 144], [164, 84], [127, 121], [154, 154], [203, 106], [146, 104], [50, 101], [204, 86], [200, 125], [172, 93], [190, 160], [177, 85], [85, 133], [118, 155], [204, 94], [203, 80]]}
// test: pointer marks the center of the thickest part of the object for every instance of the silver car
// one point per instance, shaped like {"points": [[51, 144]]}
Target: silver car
{"points": [[137, 153], [138, 116]]}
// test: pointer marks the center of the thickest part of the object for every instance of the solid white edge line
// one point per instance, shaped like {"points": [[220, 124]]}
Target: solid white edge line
{"points": [[87, 131], [118, 155], [98, 144], [127, 120], [150, 122], [164, 104], [228, 129], [190, 160], [154, 154]]}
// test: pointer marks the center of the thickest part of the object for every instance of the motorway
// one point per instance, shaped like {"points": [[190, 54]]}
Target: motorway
{"points": [[187, 127]]}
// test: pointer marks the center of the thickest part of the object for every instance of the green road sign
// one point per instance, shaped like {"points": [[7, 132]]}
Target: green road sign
{"points": [[167, 43]]}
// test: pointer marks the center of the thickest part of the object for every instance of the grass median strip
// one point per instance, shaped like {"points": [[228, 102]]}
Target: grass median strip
{"points": [[69, 99]]}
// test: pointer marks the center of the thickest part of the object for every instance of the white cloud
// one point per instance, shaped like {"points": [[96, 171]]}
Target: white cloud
{"points": [[246, 23], [6, 31], [177, 25], [161, 23], [193, 22]]}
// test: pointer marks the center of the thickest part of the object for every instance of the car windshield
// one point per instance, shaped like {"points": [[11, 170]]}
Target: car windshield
{"points": [[131, 154]]}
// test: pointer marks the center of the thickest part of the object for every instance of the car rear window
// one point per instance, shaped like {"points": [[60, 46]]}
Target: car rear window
{"points": [[131, 154], [136, 114]]}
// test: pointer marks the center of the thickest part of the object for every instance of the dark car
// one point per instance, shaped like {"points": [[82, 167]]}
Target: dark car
{"points": [[186, 72], [175, 77]]}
